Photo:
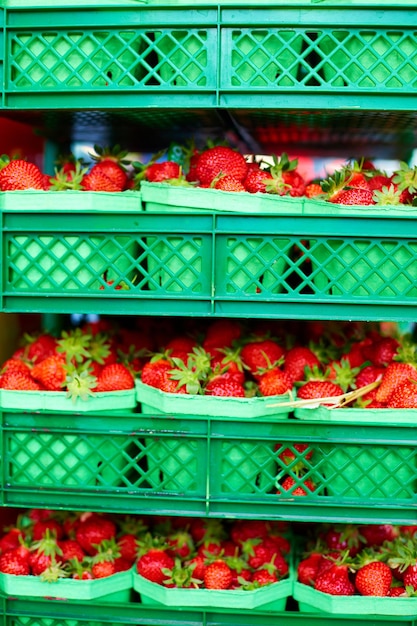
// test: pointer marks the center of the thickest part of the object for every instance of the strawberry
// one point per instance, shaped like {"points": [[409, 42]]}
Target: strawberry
{"points": [[111, 162], [127, 545], [11, 540], [154, 370], [92, 531], [218, 575], [70, 549], [102, 569], [264, 577], [397, 592], [180, 544], [12, 563], [307, 568], [410, 576], [18, 381], [274, 382], [51, 372], [335, 581], [289, 483], [198, 566], [261, 354], [354, 196], [313, 190], [379, 181], [395, 374], [114, 377], [382, 351], [286, 178], [151, 565], [288, 455], [18, 174], [220, 160], [316, 389], [41, 346], [223, 385], [249, 529], [158, 172], [404, 396], [221, 334], [41, 527], [368, 375], [376, 534], [258, 552], [256, 180], [373, 579], [228, 183], [297, 359], [97, 180]]}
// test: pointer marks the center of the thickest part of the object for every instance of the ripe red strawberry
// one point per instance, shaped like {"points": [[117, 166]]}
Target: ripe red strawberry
{"points": [[404, 396], [287, 455], [166, 170], [261, 354], [312, 190], [18, 381], [307, 568], [376, 534], [39, 562], [258, 552], [381, 352], [395, 374], [128, 547], [264, 577], [97, 180], [154, 371], [16, 365], [92, 531], [353, 196], [335, 581], [379, 181], [11, 540], [111, 162], [40, 528], [373, 579], [180, 543], [368, 375], [13, 563], [397, 592], [114, 377], [286, 179], [228, 183], [296, 361], [40, 347], [201, 528], [256, 180], [223, 385], [102, 569], [218, 575], [70, 549], [410, 577], [221, 334], [220, 160], [51, 372], [288, 484], [315, 389], [180, 347], [151, 564], [274, 382], [17, 174], [198, 566]]}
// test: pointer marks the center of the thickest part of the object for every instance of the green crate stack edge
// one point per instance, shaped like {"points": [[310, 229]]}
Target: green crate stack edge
{"points": [[333, 74]]}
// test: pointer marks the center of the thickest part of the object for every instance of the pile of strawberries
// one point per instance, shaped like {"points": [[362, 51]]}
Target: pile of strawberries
{"points": [[368, 560], [356, 364], [213, 554], [79, 361], [55, 545], [222, 167]]}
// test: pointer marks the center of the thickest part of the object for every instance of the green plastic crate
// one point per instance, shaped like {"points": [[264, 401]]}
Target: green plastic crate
{"points": [[370, 58], [267, 598], [312, 601], [173, 461], [116, 588]]}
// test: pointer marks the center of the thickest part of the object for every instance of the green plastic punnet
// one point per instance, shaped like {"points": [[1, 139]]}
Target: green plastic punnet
{"points": [[110, 589], [71, 201], [58, 401], [269, 597], [311, 600], [154, 400], [323, 208], [358, 416], [165, 197]]}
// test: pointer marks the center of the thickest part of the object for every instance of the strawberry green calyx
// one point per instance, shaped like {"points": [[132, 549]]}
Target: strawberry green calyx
{"points": [[72, 179], [115, 154], [333, 184], [74, 344], [406, 177], [107, 550], [387, 196], [181, 576], [98, 347], [54, 572], [80, 385]]}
